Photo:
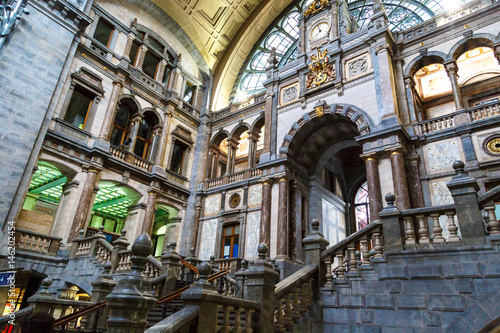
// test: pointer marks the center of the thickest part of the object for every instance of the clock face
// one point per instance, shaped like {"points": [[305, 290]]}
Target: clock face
{"points": [[320, 31]]}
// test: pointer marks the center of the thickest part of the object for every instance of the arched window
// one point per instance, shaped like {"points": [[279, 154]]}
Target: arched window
{"points": [[143, 140], [361, 207], [121, 124]]}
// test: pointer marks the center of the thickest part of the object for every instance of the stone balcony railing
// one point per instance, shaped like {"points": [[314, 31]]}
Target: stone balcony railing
{"points": [[233, 178], [38, 243], [458, 118], [131, 158]]}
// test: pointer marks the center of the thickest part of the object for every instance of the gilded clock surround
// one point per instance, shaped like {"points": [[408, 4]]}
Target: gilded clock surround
{"points": [[492, 145], [234, 200]]}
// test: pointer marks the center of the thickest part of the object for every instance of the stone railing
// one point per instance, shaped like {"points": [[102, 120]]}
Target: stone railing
{"points": [[293, 297], [231, 264], [233, 178], [34, 242], [95, 246], [461, 117], [124, 264], [255, 99], [420, 221], [131, 158], [344, 255]]}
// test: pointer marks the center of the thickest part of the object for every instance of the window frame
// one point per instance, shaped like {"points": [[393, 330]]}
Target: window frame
{"points": [[184, 155], [231, 237], [111, 35]]}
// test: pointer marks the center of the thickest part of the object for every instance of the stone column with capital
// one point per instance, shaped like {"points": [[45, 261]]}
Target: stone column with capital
{"points": [[268, 125], [373, 182], [401, 91], [128, 47], [196, 223], [496, 51], [410, 95], [134, 128], [265, 213], [160, 156], [231, 155], [155, 143], [141, 53], [161, 70], [111, 109], [252, 145], [414, 180], [85, 203], [149, 217], [451, 68], [399, 180], [282, 236]]}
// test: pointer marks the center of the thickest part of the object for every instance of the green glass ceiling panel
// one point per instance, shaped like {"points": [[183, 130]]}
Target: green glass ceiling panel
{"points": [[112, 201], [47, 183]]}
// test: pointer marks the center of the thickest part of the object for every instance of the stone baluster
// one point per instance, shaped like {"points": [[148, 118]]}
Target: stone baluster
{"points": [[237, 320], [295, 303], [329, 275], [423, 229], [279, 324], [353, 265], [437, 230], [379, 249], [494, 226], [340, 268], [303, 298], [409, 230], [225, 328], [288, 320], [310, 294], [364, 251], [131, 300], [452, 228]]}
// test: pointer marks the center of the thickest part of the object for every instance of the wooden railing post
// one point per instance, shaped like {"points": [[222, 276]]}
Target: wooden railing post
{"points": [[131, 300], [394, 231], [464, 189], [260, 281]]}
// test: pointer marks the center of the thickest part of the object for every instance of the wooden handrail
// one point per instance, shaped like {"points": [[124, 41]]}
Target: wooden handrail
{"points": [[188, 265], [83, 311]]}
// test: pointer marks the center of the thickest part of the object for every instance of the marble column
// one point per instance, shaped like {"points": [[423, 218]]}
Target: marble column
{"points": [[128, 46], [161, 70], [155, 143], [410, 93], [399, 180], [85, 203], [252, 149], [210, 160], [149, 216], [215, 163], [134, 128], [335, 21], [401, 91], [452, 71], [282, 234], [414, 178], [196, 224], [374, 191], [497, 53], [164, 136], [140, 56], [268, 123], [294, 217], [265, 225], [386, 96], [111, 109], [231, 156]]}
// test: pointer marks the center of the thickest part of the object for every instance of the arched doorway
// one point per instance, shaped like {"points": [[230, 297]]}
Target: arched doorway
{"points": [[165, 228]]}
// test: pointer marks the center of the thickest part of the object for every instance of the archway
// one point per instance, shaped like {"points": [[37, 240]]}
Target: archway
{"points": [[165, 228]]}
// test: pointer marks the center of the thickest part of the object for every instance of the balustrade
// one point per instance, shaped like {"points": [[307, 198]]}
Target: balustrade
{"points": [[425, 225], [126, 156], [38, 243], [233, 178]]}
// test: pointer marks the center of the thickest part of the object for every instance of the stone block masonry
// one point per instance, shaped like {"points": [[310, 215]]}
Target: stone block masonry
{"points": [[31, 64]]}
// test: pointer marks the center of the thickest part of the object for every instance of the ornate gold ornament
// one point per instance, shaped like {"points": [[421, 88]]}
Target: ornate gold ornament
{"points": [[319, 111], [321, 70], [316, 6], [493, 145], [234, 200]]}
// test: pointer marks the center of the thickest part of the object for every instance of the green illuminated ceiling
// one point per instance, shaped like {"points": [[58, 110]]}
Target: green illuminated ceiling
{"points": [[47, 183], [112, 201]]}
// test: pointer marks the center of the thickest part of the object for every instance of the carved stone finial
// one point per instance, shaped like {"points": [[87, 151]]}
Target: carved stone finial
{"points": [[263, 250], [101, 230], [80, 233], [390, 199], [173, 245], [142, 246], [315, 225], [459, 167], [191, 251], [123, 232], [204, 269], [244, 265], [107, 267]]}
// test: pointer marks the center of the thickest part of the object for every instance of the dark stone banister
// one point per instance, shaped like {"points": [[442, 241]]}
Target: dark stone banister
{"points": [[429, 210], [352, 238], [489, 197], [294, 280], [177, 321]]}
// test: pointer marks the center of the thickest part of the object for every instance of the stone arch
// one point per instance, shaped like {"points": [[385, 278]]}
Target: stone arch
{"points": [[219, 137], [467, 44], [69, 170], [482, 316], [153, 34], [155, 115], [359, 118], [136, 193], [79, 281], [323, 157], [258, 123], [165, 202], [238, 130], [131, 99], [432, 57], [466, 79]]}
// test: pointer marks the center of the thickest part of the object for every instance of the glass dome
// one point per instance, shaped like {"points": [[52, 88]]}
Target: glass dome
{"points": [[284, 33]]}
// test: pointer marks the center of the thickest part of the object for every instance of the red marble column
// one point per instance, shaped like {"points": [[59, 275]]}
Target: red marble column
{"points": [[416, 186], [265, 212], [282, 235], [399, 180], [373, 182], [85, 203], [292, 235], [149, 215]]}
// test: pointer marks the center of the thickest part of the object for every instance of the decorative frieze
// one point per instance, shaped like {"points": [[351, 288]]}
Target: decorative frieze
{"points": [[289, 93], [358, 66]]}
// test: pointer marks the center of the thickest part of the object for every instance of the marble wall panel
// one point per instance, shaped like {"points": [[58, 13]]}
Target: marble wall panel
{"points": [[212, 204], [208, 234], [255, 196], [252, 235], [440, 156]]}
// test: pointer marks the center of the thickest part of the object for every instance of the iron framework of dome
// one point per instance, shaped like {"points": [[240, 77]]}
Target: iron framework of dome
{"points": [[284, 33]]}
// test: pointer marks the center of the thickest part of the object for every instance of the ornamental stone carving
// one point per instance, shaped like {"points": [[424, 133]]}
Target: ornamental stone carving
{"points": [[358, 66], [290, 94]]}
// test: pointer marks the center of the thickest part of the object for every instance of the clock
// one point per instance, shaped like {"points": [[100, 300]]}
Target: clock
{"points": [[493, 145], [320, 30], [234, 200]]}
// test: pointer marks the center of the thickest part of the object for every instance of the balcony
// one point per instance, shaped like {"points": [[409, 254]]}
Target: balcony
{"points": [[131, 158], [233, 178], [458, 118]]}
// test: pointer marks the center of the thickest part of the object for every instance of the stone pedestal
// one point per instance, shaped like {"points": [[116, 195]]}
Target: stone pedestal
{"points": [[170, 267], [102, 287], [314, 244], [464, 192], [42, 300], [394, 233], [260, 281], [131, 300]]}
